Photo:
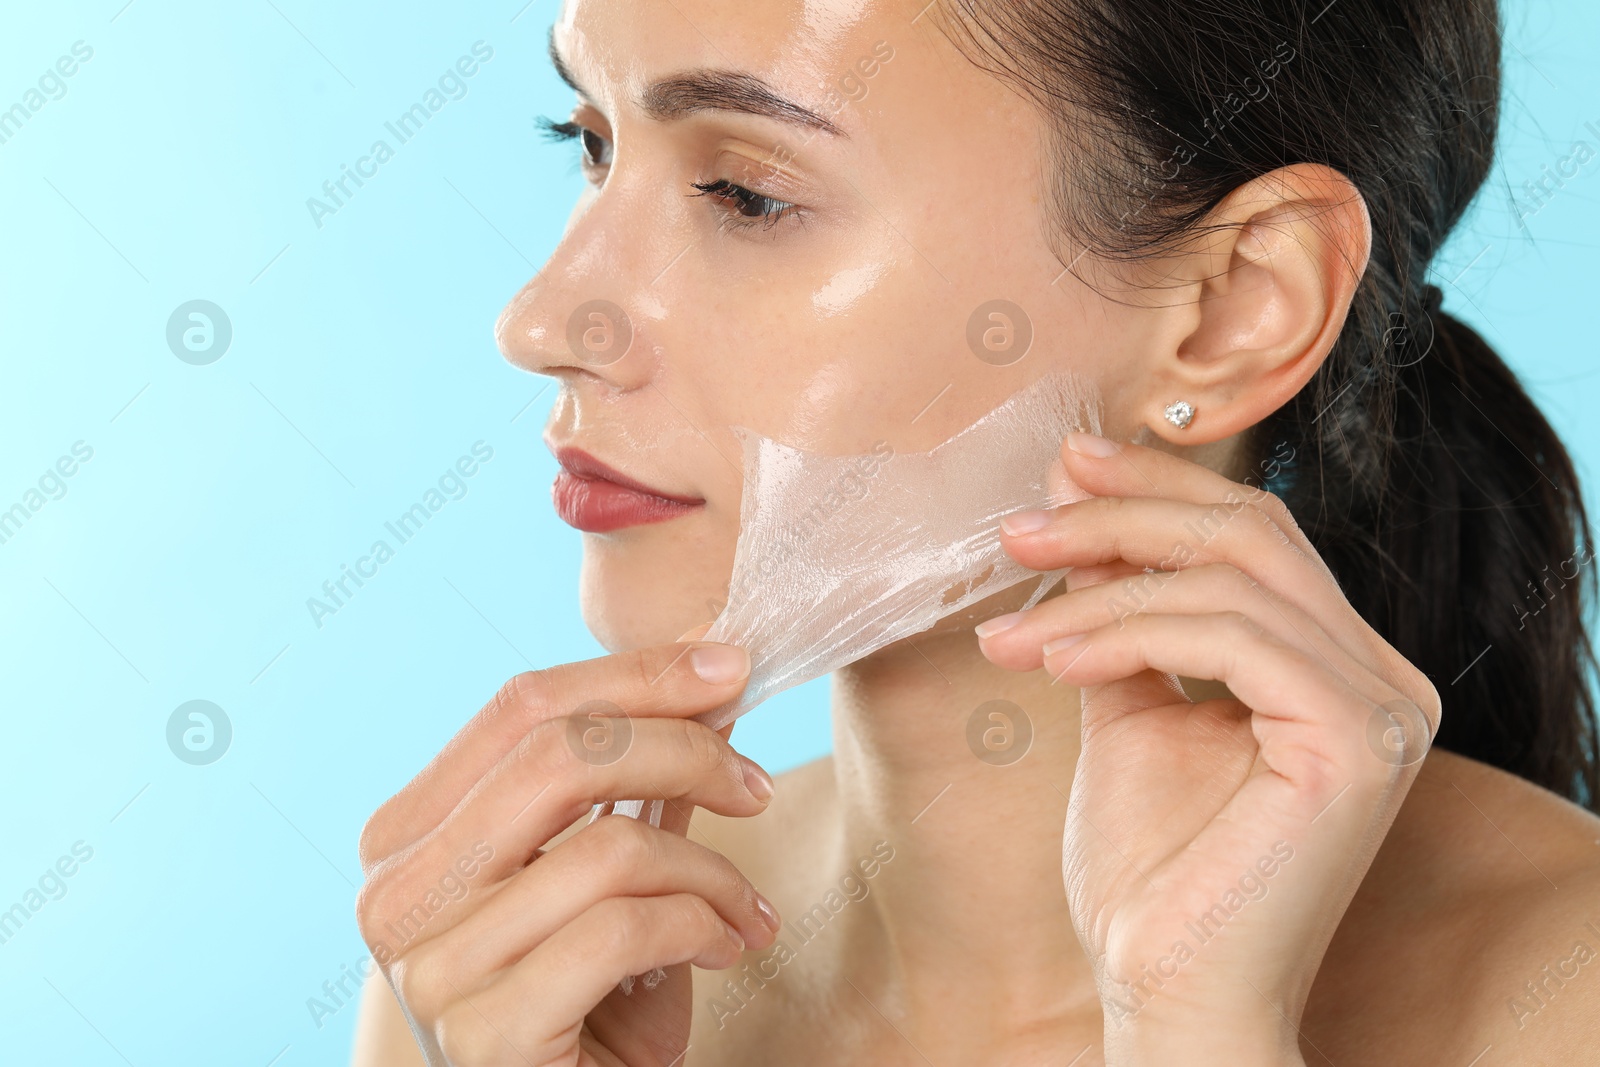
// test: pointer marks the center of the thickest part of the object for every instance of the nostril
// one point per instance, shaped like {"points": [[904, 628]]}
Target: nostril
{"points": [[599, 333], [543, 331]]}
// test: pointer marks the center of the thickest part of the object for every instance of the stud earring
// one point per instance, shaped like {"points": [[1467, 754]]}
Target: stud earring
{"points": [[1179, 412]]}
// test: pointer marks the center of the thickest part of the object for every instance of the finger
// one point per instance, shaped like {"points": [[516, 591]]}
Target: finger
{"points": [[1080, 577], [545, 785], [616, 857], [1283, 686], [1108, 468], [1016, 641], [1171, 535], [677, 814], [674, 816], [535, 1007], [680, 680]]}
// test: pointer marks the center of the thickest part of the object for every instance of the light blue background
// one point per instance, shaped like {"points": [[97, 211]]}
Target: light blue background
{"points": [[219, 498]]}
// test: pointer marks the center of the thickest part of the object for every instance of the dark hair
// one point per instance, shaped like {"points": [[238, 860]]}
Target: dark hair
{"points": [[1427, 479]]}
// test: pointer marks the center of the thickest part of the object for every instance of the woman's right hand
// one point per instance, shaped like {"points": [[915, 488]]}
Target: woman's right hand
{"points": [[504, 949]]}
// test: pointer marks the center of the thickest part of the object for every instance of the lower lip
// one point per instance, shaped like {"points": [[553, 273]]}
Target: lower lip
{"points": [[595, 505]]}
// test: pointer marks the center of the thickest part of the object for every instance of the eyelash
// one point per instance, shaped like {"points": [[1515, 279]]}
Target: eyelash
{"points": [[566, 131], [737, 199]]}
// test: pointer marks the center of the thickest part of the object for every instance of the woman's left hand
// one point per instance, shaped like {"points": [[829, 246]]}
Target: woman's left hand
{"points": [[1212, 846]]}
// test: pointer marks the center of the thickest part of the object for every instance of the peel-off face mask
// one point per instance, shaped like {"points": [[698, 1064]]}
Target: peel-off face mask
{"points": [[840, 556]]}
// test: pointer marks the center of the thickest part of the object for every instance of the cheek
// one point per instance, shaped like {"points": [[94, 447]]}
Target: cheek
{"points": [[871, 348], [831, 359]]}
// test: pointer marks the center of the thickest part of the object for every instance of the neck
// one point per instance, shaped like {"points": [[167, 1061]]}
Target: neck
{"points": [[963, 769]]}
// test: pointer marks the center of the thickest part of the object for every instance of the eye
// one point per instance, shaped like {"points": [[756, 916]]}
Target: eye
{"points": [[596, 149], [745, 206]]}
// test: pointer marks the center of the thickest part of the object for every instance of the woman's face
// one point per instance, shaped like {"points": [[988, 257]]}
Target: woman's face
{"points": [[797, 221]]}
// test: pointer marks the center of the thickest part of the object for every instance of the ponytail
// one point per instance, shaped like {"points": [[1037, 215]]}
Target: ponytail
{"points": [[1470, 552]]}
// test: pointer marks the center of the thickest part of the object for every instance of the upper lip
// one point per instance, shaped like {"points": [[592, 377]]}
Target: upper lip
{"points": [[581, 464]]}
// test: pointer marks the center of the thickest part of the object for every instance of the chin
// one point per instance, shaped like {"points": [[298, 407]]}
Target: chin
{"points": [[637, 594]]}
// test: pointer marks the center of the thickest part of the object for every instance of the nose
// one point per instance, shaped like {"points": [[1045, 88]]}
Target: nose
{"points": [[581, 311]]}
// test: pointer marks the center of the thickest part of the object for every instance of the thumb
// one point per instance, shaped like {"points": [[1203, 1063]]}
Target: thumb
{"points": [[1105, 703]]}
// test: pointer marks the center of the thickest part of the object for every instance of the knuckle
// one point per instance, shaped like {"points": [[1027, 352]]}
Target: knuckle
{"points": [[1323, 774], [373, 833], [372, 904], [637, 669], [1266, 501], [1271, 503], [1410, 682], [522, 695], [703, 917], [1275, 511], [725, 881], [1432, 706], [1243, 625], [1109, 509], [705, 751], [1260, 520], [542, 752], [620, 843], [742, 889], [647, 665], [465, 1037], [1281, 513], [1419, 688], [689, 914], [422, 984]]}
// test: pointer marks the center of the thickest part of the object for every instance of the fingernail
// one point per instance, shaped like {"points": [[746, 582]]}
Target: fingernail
{"points": [[1052, 647], [1087, 444], [757, 781], [998, 624], [769, 914], [720, 664], [1022, 522], [734, 935]]}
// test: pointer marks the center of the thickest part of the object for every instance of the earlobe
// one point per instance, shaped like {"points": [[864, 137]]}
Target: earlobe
{"points": [[1271, 274]]}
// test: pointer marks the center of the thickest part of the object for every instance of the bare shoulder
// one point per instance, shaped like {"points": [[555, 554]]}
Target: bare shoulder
{"points": [[1475, 937]]}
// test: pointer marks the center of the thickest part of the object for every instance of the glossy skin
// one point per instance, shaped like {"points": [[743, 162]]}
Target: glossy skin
{"points": [[984, 932]]}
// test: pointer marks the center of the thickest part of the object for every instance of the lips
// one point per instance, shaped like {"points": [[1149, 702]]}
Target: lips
{"points": [[595, 498]]}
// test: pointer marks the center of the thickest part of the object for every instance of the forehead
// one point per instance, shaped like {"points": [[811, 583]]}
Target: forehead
{"points": [[810, 51]]}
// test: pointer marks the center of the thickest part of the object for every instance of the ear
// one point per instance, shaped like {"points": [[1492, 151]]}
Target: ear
{"points": [[1257, 301]]}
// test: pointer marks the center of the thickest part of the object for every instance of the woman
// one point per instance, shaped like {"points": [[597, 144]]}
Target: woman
{"points": [[1219, 213]]}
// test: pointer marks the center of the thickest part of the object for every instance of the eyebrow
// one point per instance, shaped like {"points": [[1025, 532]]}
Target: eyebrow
{"points": [[708, 89]]}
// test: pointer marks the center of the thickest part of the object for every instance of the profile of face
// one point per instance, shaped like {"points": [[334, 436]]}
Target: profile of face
{"points": [[797, 221]]}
